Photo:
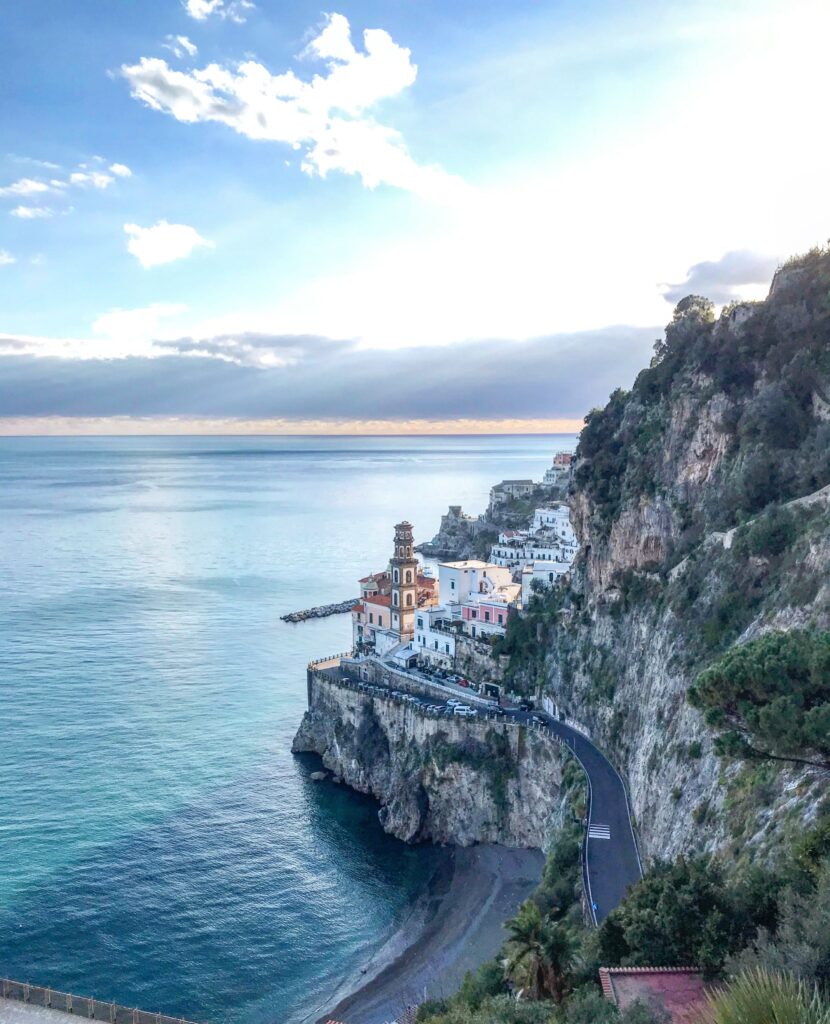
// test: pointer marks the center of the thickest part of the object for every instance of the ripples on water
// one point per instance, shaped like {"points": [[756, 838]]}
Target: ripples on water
{"points": [[159, 845]]}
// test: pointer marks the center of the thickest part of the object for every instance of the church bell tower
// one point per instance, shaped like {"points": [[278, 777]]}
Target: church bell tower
{"points": [[404, 569]]}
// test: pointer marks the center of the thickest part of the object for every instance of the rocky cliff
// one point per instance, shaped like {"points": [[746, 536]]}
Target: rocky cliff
{"points": [[687, 499], [438, 779]]}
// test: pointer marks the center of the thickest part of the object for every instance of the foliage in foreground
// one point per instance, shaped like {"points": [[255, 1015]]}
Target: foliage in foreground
{"points": [[762, 997], [760, 922]]}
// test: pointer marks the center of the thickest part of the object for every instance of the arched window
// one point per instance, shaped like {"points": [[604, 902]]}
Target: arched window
{"points": [[396, 576], [408, 575], [395, 597], [409, 599]]}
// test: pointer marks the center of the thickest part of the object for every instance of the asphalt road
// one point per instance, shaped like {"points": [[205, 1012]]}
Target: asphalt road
{"points": [[611, 861]]}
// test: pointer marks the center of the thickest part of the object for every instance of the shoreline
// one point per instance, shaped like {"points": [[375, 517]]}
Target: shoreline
{"points": [[457, 925]]}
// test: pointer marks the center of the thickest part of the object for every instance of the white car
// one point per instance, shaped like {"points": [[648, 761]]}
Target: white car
{"points": [[462, 709]]}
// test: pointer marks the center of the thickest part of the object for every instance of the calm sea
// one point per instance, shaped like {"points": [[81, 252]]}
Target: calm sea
{"points": [[159, 845]]}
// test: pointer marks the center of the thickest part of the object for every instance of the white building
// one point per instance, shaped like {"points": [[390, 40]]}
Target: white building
{"points": [[475, 598], [550, 539], [546, 574], [558, 473], [509, 489], [434, 641], [458, 581]]}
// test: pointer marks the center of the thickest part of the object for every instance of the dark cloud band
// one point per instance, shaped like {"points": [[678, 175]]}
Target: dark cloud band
{"points": [[557, 376]]}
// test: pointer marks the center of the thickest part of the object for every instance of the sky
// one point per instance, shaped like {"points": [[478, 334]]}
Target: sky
{"points": [[393, 215]]}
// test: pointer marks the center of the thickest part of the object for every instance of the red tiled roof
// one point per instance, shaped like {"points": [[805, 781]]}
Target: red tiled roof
{"points": [[681, 990], [382, 599], [378, 577]]}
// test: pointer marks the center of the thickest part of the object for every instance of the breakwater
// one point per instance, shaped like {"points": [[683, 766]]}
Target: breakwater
{"points": [[320, 611]]}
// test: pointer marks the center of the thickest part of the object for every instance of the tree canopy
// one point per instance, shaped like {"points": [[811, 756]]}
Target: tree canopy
{"points": [[770, 698]]}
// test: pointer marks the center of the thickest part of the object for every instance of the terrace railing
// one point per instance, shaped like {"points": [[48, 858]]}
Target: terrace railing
{"points": [[81, 1006]]}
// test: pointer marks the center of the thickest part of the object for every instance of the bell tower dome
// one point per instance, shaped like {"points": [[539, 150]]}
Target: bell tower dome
{"points": [[404, 568]]}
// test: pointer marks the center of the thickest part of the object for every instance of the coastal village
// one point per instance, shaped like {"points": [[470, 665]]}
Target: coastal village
{"points": [[424, 649], [408, 617]]}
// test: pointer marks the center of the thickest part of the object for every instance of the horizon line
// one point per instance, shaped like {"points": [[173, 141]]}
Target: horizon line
{"points": [[170, 426]]}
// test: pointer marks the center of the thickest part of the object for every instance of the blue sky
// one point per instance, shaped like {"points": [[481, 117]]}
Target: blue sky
{"points": [[491, 180]]}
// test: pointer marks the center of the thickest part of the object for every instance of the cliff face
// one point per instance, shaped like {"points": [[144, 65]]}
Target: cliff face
{"points": [[447, 781], [686, 502]]}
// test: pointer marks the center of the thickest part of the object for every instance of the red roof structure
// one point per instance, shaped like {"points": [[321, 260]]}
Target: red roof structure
{"points": [[679, 990]]}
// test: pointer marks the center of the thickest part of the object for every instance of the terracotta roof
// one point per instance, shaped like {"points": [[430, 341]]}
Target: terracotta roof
{"points": [[382, 599], [680, 990], [380, 577]]}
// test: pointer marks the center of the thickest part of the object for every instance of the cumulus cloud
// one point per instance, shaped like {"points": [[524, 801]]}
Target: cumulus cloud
{"points": [[121, 170], [327, 119], [28, 187], [6, 258], [32, 212], [163, 242], [308, 376], [234, 10], [736, 275], [95, 179]]}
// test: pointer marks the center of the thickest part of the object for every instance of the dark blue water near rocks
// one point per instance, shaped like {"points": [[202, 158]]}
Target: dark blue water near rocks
{"points": [[159, 845]]}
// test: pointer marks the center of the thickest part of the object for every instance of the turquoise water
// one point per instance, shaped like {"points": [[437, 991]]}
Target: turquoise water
{"points": [[159, 845]]}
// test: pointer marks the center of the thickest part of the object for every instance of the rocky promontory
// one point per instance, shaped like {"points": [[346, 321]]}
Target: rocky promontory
{"points": [[460, 782]]}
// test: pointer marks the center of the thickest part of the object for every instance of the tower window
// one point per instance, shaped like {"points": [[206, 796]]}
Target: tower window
{"points": [[396, 576], [409, 599]]}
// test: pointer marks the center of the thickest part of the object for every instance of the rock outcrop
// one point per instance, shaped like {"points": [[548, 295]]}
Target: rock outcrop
{"points": [[674, 489], [437, 779]]}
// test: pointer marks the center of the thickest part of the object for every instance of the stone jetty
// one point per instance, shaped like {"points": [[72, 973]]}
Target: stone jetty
{"points": [[321, 611]]}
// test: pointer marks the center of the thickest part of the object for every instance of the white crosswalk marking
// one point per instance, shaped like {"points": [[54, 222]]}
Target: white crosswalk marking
{"points": [[599, 832]]}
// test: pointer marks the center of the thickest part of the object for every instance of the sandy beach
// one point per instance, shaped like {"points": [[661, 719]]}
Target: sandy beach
{"points": [[458, 925]]}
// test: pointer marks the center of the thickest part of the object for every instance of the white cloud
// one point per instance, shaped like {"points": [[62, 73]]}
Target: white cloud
{"points": [[32, 212], [234, 10], [163, 242], [134, 329], [34, 162], [83, 177], [327, 118], [6, 258], [96, 179], [179, 46], [27, 187]]}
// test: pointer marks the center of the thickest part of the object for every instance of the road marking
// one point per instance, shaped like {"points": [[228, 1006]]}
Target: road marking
{"points": [[599, 832]]}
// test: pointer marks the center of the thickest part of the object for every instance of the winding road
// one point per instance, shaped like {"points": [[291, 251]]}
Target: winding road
{"points": [[611, 861]]}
